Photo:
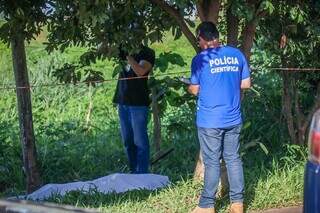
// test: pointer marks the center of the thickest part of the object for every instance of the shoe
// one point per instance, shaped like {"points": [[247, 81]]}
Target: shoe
{"points": [[236, 208], [203, 210]]}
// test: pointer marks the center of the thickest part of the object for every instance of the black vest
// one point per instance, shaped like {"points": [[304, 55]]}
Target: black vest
{"points": [[134, 92]]}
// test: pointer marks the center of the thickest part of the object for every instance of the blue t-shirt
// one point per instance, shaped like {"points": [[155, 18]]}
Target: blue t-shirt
{"points": [[218, 72]]}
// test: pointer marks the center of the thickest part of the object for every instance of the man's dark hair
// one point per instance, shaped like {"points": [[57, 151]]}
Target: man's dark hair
{"points": [[207, 30]]}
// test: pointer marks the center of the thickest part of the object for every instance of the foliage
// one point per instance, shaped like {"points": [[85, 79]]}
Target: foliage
{"points": [[291, 38], [300, 24], [25, 18], [107, 23]]}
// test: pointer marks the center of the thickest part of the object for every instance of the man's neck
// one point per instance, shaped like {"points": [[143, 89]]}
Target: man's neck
{"points": [[211, 46]]}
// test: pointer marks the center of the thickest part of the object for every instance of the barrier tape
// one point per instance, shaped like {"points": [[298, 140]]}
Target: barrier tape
{"points": [[13, 87]]}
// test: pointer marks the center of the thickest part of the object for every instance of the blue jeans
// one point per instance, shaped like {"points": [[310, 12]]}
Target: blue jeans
{"points": [[214, 143], [133, 124]]}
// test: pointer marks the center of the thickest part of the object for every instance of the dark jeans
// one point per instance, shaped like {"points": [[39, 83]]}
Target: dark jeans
{"points": [[214, 143], [133, 123]]}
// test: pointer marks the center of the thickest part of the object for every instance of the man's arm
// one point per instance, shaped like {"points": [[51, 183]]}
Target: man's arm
{"points": [[193, 89], [141, 68], [245, 83]]}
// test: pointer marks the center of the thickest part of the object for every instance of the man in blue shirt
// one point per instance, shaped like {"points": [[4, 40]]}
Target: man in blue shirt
{"points": [[218, 73]]}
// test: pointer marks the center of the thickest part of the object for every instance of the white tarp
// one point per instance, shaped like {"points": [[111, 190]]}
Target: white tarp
{"points": [[116, 183]]}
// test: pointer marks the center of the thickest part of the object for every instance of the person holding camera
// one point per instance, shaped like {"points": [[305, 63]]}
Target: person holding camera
{"points": [[132, 98]]}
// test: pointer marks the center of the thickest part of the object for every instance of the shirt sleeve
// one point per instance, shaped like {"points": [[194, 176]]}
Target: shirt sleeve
{"points": [[194, 72], [245, 73]]}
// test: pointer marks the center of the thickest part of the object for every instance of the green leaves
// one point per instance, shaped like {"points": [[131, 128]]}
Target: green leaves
{"points": [[154, 36], [246, 146], [70, 73], [242, 10], [297, 14], [114, 23], [67, 74], [118, 68], [166, 58], [88, 57], [25, 18], [19, 12], [267, 6], [168, 90], [93, 77], [176, 32], [190, 23]]}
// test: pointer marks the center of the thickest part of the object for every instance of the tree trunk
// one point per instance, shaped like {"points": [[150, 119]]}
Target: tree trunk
{"points": [[248, 35], [287, 106], [223, 184], [232, 28], [156, 121], [199, 170], [208, 10], [25, 113], [297, 112]]}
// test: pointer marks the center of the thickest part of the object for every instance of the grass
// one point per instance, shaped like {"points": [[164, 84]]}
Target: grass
{"points": [[265, 188], [69, 151]]}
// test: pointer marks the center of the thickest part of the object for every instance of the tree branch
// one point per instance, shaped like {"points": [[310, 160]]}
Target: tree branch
{"points": [[249, 31], [180, 21], [287, 107], [248, 35]]}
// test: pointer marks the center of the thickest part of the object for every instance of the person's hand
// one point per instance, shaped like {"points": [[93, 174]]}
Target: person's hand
{"points": [[129, 58]]}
